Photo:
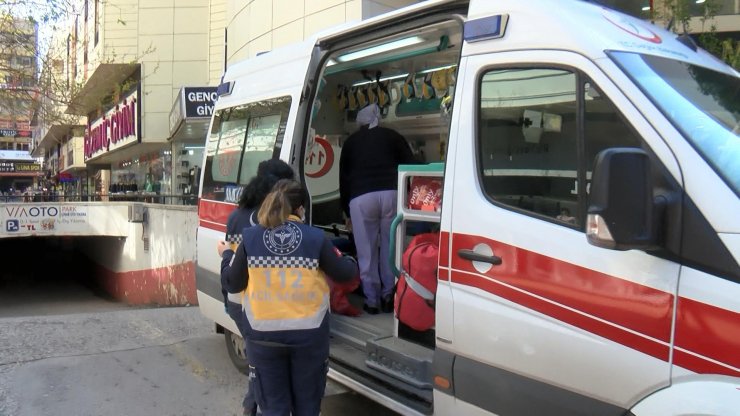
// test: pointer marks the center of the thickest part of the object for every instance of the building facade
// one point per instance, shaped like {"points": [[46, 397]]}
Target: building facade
{"points": [[18, 92]]}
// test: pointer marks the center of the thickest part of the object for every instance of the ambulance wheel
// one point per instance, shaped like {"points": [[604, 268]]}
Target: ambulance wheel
{"points": [[235, 345]]}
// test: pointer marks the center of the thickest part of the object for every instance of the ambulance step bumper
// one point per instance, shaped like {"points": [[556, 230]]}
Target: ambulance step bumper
{"points": [[350, 361], [401, 359]]}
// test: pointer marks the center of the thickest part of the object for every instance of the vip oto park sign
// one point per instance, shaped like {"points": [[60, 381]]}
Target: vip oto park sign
{"points": [[40, 219]]}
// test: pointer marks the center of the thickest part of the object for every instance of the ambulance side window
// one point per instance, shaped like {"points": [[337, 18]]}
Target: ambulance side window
{"points": [[241, 137], [535, 146], [527, 140], [603, 126]]}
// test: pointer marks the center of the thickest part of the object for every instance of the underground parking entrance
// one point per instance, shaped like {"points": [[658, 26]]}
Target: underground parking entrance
{"points": [[52, 275]]}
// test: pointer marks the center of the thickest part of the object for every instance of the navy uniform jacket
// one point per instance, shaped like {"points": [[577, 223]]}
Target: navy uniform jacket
{"points": [[238, 220], [279, 273]]}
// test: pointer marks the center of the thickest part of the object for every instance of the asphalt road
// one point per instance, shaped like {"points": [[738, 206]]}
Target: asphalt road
{"points": [[65, 350]]}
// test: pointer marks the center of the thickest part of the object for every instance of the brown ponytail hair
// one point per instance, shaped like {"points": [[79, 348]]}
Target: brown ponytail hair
{"points": [[285, 198]]}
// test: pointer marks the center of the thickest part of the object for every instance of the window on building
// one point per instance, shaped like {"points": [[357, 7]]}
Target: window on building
{"points": [[74, 51], [533, 156], [23, 60], [68, 67], [97, 23]]}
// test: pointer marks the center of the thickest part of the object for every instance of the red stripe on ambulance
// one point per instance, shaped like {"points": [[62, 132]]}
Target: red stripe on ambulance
{"points": [[585, 322], [214, 214], [631, 305], [701, 365], [444, 249], [709, 331]]}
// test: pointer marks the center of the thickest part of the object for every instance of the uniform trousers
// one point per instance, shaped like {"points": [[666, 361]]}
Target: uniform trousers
{"points": [[371, 215], [289, 380], [237, 314]]}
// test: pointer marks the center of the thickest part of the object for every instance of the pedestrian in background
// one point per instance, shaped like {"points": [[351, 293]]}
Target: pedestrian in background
{"points": [[368, 182], [269, 172], [279, 268]]}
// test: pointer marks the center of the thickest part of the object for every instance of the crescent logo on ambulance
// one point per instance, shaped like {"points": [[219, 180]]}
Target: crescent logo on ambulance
{"points": [[320, 159], [633, 28]]}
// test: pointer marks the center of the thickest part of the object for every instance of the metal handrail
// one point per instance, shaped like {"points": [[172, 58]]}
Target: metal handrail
{"points": [[165, 199]]}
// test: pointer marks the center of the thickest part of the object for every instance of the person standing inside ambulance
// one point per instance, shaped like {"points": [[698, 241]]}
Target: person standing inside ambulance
{"points": [[368, 182], [279, 269]]}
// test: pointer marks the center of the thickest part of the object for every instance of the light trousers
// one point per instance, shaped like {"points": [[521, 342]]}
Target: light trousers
{"points": [[372, 214]]}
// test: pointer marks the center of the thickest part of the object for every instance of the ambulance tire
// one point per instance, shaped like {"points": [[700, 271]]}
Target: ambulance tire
{"points": [[235, 347]]}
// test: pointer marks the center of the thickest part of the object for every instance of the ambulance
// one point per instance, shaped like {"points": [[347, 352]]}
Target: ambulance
{"points": [[590, 216]]}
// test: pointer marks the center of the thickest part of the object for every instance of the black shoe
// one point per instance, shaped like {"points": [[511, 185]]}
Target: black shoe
{"points": [[372, 310], [386, 304]]}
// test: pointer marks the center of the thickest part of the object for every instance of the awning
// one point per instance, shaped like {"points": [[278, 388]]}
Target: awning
{"points": [[191, 131], [21, 174], [130, 151], [53, 135], [100, 85], [191, 114]]}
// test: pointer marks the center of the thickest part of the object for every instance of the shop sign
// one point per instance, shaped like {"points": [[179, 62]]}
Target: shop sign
{"points": [[43, 219], [15, 133], [117, 127], [199, 101], [27, 167], [19, 167], [15, 155], [192, 102], [16, 124]]}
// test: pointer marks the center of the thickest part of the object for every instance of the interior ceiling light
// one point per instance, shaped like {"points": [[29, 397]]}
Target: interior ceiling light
{"points": [[396, 44], [439, 68], [404, 75], [388, 78]]}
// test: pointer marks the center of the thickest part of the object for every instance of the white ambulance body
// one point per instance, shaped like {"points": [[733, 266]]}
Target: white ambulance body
{"points": [[590, 222]]}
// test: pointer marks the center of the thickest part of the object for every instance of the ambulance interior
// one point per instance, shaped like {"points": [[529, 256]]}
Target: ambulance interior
{"points": [[411, 77]]}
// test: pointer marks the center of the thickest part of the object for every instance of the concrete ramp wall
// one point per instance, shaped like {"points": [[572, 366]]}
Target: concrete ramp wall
{"points": [[149, 262], [155, 263]]}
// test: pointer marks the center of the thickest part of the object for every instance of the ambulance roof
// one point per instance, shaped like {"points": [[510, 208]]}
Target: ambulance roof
{"points": [[573, 25], [585, 28]]}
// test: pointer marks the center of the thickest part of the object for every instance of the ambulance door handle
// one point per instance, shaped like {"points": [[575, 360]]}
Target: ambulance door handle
{"points": [[473, 256]]}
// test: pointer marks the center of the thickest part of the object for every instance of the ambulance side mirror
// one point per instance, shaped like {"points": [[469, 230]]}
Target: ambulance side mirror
{"points": [[621, 211]]}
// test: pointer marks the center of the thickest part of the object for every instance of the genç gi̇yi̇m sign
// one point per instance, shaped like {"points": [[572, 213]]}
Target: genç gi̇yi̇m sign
{"points": [[117, 127]]}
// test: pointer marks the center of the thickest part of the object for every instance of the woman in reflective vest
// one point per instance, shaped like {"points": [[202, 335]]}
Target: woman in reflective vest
{"points": [[268, 173], [280, 270]]}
